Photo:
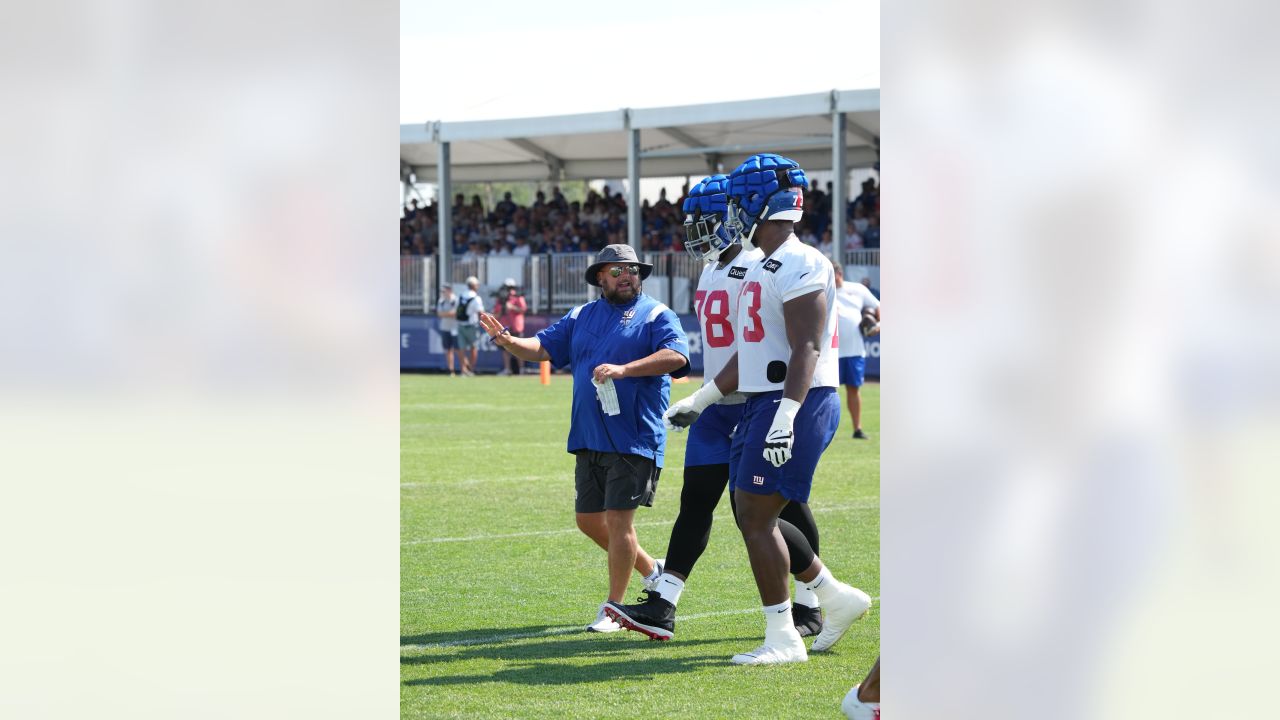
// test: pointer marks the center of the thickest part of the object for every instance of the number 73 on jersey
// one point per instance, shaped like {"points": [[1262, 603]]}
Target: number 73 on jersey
{"points": [[717, 325]]}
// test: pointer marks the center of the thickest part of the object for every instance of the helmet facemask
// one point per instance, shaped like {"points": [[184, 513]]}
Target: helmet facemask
{"points": [[706, 236], [739, 226]]}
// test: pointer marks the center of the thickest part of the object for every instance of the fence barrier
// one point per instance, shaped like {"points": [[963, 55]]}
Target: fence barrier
{"points": [[555, 283], [421, 347]]}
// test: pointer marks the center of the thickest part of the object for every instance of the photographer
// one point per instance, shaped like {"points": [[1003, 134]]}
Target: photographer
{"points": [[510, 307]]}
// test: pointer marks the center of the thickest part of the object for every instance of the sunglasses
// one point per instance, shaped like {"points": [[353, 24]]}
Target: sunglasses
{"points": [[616, 271]]}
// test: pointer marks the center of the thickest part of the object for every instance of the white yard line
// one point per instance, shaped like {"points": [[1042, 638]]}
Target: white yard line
{"points": [[465, 482], [717, 613], [531, 533], [562, 631], [564, 531], [853, 506], [491, 639]]}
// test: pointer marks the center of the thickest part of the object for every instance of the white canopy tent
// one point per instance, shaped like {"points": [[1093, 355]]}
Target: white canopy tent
{"points": [[837, 131]]}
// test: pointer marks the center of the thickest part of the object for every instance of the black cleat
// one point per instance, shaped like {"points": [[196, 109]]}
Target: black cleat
{"points": [[652, 616], [859, 435], [808, 620]]}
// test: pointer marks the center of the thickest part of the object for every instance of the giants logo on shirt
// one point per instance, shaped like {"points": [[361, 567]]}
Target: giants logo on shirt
{"points": [[627, 315], [737, 273], [772, 265], [757, 479]]}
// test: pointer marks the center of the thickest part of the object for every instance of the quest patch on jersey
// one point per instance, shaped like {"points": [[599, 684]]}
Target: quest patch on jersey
{"points": [[737, 273], [772, 265]]}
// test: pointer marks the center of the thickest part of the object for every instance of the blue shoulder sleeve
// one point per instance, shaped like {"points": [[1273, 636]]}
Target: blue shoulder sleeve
{"points": [[557, 339], [665, 332]]}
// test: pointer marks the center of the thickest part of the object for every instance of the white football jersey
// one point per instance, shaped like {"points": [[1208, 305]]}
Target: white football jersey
{"points": [[851, 301], [794, 269], [716, 303]]}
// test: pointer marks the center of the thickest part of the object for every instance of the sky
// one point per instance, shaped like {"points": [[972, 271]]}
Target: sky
{"points": [[484, 60]]}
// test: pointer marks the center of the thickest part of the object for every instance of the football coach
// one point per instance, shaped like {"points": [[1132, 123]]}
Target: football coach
{"points": [[628, 343]]}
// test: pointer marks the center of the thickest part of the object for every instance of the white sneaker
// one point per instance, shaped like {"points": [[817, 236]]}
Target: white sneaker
{"points": [[855, 709], [604, 623], [651, 582], [849, 605], [787, 649]]}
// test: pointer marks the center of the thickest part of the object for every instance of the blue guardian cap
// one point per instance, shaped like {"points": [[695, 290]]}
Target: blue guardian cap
{"points": [[706, 235], [764, 187]]}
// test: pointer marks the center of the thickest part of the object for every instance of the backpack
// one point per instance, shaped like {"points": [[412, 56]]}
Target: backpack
{"points": [[461, 312]]}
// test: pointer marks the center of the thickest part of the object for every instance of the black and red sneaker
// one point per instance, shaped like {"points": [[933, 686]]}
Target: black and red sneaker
{"points": [[652, 616]]}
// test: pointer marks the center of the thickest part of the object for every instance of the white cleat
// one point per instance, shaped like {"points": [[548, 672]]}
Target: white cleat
{"points": [[849, 605], [855, 709], [604, 623], [651, 582], [788, 649]]}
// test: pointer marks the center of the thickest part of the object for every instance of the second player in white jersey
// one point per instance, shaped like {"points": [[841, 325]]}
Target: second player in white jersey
{"points": [[716, 303], [709, 457], [852, 300], [793, 270]]}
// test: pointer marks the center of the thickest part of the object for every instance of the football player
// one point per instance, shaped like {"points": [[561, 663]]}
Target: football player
{"points": [[707, 455], [859, 317], [785, 363]]}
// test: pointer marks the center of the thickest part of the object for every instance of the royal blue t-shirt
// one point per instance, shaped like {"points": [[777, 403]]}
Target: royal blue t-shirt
{"points": [[601, 332]]}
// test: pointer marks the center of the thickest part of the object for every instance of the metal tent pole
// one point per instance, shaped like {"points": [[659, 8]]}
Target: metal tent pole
{"points": [[633, 180], [444, 216], [839, 200]]}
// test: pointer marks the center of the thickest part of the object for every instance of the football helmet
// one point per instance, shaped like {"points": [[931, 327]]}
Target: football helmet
{"points": [[705, 233], [764, 187]]}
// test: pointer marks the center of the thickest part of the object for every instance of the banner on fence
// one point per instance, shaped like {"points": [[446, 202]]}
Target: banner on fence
{"points": [[422, 349]]}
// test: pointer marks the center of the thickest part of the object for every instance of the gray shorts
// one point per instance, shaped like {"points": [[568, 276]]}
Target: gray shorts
{"points": [[467, 336], [609, 481]]}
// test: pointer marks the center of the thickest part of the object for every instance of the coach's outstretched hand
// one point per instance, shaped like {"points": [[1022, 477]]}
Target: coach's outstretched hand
{"points": [[496, 332]]}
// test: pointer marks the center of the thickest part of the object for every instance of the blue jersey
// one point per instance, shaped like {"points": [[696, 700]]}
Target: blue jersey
{"points": [[601, 332]]}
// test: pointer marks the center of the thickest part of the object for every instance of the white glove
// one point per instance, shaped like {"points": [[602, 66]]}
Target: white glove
{"points": [[777, 444], [682, 414]]}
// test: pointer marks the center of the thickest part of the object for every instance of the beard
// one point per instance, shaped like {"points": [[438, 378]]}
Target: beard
{"points": [[618, 296]]}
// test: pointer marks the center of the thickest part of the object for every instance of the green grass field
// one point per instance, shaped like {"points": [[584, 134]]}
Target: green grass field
{"points": [[496, 583]]}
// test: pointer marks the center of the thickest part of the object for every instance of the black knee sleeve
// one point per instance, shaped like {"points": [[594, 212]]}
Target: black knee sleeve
{"points": [[798, 545], [703, 486], [799, 515]]}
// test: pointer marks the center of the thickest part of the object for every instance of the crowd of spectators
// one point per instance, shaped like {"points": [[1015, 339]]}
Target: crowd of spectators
{"points": [[556, 225]]}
